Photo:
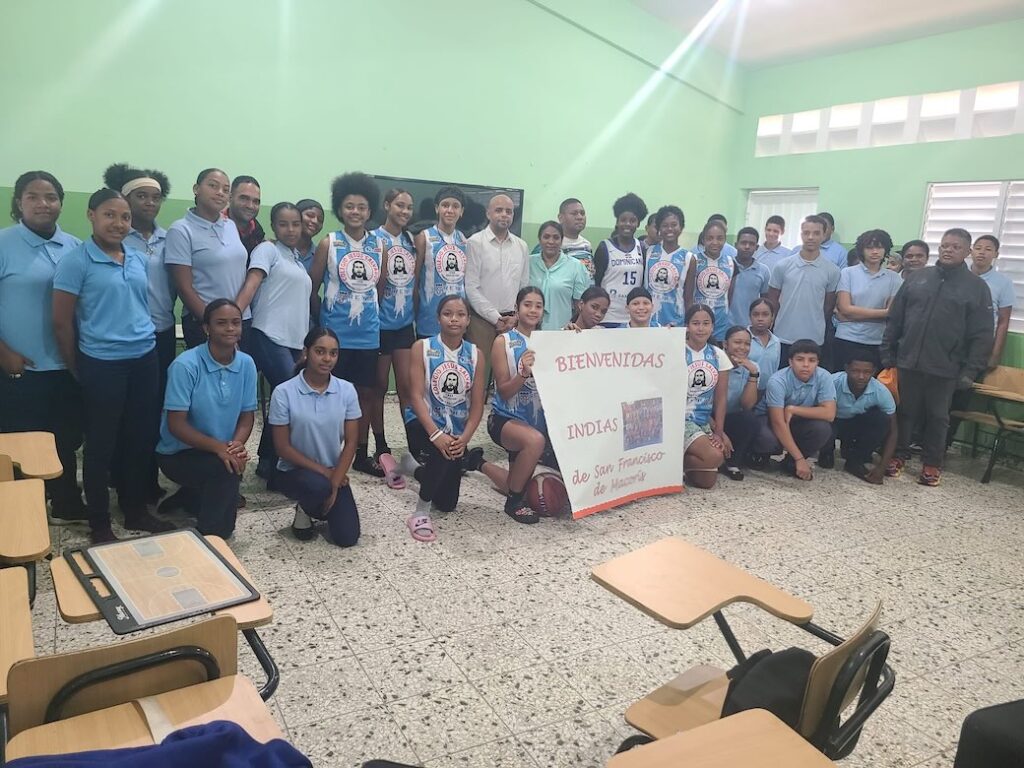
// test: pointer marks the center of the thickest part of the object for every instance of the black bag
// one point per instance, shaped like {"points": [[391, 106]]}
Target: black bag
{"points": [[772, 681]]}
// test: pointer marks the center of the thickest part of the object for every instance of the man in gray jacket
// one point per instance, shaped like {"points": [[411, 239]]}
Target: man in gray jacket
{"points": [[938, 336]]}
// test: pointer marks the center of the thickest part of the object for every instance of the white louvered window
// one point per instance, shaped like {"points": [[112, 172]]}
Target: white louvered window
{"points": [[983, 207]]}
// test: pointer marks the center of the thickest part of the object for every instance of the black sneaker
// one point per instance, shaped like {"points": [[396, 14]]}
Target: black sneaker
{"points": [[146, 521], [302, 525], [473, 459], [827, 460], [759, 462], [520, 511], [103, 535], [367, 466], [67, 515]]}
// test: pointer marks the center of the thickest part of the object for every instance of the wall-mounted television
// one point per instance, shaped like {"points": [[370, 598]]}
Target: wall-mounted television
{"points": [[477, 197]]}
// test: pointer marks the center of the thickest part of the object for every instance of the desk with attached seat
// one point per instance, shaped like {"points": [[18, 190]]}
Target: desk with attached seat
{"points": [[76, 607], [33, 453]]}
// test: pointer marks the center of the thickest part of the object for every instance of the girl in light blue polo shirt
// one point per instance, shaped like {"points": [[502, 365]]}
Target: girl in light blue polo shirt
{"points": [[205, 255], [100, 295], [314, 417], [862, 299], [37, 393], [145, 192], [765, 346], [208, 416], [740, 422]]}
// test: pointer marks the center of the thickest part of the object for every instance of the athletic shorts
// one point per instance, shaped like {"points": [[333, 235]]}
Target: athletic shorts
{"points": [[401, 338], [694, 431], [497, 422], [358, 367]]}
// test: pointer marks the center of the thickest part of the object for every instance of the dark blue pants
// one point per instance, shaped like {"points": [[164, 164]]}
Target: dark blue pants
{"points": [[311, 490], [217, 488], [121, 402], [277, 364], [741, 427], [861, 435], [48, 401], [810, 435]]}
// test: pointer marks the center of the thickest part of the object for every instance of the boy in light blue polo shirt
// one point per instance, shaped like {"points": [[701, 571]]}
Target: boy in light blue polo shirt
{"points": [[750, 280], [865, 420], [803, 287], [801, 404]]}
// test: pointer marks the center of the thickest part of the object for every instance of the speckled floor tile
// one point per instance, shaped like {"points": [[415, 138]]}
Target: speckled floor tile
{"points": [[347, 741], [585, 741], [410, 670], [506, 753], [317, 693], [531, 697]]}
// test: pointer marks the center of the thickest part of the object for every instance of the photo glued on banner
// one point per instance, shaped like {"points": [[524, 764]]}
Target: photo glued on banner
{"points": [[614, 404]]}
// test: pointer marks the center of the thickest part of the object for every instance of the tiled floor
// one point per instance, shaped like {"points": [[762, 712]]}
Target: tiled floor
{"points": [[493, 648]]}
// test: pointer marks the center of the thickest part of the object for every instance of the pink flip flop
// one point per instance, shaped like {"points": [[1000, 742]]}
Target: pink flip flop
{"points": [[421, 528], [390, 466]]}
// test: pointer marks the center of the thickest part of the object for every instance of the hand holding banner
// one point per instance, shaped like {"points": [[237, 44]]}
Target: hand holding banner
{"points": [[614, 403]]}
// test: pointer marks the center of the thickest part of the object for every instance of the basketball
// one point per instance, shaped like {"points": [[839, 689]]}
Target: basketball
{"points": [[546, 495]]}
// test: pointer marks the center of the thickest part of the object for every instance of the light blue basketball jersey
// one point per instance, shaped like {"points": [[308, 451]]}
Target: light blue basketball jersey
{"points": [[399, 265], [449, 383], [702, 377], [666, 273], [350, 307], [711, 287], [443, 274], [525, 404]]}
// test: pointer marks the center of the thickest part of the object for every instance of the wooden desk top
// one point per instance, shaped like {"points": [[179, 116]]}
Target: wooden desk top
{"points": [[15, 623], [751, 739], [26, 534], [229, 698], [680, 584], [984, 389], [76, 607], [34, 453]]}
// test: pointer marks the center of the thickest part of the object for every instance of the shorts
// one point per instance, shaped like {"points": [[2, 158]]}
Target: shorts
{"points": [[692, 432], [497, 422], [358, 367], [401, 338]]}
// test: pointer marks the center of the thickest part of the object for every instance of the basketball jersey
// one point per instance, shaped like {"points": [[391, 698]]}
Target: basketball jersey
{"points": [[711, 287], [399, 265], [524, 404], [443, 274], [666, 273], [702, 369], [625, 272], [349, 307], [449, 383]]}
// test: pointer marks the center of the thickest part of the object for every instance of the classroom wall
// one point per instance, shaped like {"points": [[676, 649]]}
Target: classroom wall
{"points": [[521, 93], [883, 186]]}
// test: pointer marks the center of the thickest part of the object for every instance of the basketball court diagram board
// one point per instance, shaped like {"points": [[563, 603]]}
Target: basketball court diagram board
{"points": [[145, 582]]}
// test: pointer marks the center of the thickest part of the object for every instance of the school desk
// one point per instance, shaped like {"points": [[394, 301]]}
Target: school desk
{"points": [[34, 453]]}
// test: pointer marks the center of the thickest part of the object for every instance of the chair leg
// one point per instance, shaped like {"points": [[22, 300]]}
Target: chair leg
{"points": [[974, 440], [30, 569], [996, 446]]}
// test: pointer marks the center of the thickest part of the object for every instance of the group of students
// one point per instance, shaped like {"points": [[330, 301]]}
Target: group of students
{"points": [[87, 343]]}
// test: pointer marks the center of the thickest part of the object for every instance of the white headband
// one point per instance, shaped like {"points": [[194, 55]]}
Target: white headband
{"points": [[143, 181]]}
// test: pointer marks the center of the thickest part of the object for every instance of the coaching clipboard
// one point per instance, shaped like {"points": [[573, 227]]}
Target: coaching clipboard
{"points": [[153, 580]]}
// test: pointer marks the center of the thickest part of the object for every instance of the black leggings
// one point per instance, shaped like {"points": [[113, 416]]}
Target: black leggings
{"points": [[741, 428], [440, 478]]}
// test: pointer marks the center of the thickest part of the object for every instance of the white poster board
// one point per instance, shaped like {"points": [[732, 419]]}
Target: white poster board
{"points": [[614, 402]]}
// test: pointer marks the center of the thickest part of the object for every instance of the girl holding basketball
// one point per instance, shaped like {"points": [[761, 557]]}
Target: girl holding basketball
{"points": [[447, 397], [517, 421], [706, 444]]}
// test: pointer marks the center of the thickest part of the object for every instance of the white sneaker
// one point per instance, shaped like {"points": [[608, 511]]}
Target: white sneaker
{"points": [[302, 525]]}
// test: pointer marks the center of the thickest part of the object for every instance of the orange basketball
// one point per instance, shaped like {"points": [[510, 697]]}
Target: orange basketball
{"points": [[546, 494]]}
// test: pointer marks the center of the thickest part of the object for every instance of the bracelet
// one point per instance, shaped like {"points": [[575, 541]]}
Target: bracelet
{"points": [[755, 375], [437, 434]]}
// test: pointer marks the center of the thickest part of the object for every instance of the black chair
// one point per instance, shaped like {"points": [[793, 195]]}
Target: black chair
{"points": [[992, 737]]}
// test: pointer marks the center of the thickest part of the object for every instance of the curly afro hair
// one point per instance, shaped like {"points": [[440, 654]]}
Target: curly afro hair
{"points": [[630, 203], [119, 174], [354, 184]]}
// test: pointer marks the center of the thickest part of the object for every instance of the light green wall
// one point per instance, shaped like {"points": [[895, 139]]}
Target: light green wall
{"points": [[477, 91], [886, 186]]}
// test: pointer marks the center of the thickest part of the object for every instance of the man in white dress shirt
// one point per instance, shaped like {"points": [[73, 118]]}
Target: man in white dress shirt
{"points": [[497, 266]]}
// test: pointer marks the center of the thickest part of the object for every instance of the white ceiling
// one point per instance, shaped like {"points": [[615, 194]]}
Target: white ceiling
{"points": [[785, 30]]}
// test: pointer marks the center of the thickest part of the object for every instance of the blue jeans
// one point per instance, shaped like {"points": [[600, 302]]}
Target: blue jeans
{"points": [[277, 364], [311, 490]]}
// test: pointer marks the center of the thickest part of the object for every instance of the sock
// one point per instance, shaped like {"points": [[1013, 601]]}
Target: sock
{"points": [[407, 465], [361, 450], [380, 443], [422, 508]]}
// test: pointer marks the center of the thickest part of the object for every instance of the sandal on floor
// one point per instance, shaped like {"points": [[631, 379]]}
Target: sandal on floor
{"points": [[390, 466], [421, 527]]}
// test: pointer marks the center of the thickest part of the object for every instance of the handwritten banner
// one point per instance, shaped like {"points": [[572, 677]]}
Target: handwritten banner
{"points": [[614, 401]]}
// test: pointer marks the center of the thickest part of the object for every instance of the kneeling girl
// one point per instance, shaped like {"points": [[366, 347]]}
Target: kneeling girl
{"points": [[517, 421], [315, 421], [448, 400], [706, 443]]}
